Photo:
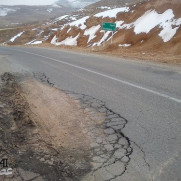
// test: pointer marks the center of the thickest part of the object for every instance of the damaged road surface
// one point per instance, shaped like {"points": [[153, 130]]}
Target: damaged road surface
{"points": [[76, 117], [50, 135]]}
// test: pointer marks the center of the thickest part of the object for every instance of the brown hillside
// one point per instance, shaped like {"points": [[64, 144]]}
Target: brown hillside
{"points": [[125, 40]]}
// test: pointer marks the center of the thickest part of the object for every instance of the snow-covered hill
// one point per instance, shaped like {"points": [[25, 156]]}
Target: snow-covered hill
{"points": [[150, 26]]}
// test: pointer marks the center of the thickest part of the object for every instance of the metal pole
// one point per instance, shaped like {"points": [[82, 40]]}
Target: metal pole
{"points": [[103, 37], [112, 37]]}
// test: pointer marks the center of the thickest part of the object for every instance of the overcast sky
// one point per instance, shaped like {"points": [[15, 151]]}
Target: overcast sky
{"points": [[27, 2]]}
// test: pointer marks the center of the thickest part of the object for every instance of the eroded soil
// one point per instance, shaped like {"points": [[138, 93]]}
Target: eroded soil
{"points": [[48, 134]]}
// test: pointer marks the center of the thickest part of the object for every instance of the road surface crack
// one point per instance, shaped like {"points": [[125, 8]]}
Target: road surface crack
{"points": [[111, 148]]}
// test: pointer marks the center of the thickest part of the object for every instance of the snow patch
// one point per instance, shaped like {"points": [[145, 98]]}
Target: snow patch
{"points": [[58, 19], [119, 23], [5, 11], [50, 10], [73, 18], [34, 29], [152, 19], [54, 40], [112, 13], [15, 37], [81, 9], [124, 45], [61, 17], [54, 29], [36, 43], [103, 39], [40, 33], [91, 32], [69, 30], [104, 7], [80, 23], [30, 42], [70, 41], [15, 23], [168, 33]]}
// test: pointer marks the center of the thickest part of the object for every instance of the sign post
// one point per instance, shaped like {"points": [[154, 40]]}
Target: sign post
{"points": [[108, 27]]}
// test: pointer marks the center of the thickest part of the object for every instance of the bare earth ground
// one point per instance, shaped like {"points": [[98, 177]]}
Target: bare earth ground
{"points": [[47, 134]]}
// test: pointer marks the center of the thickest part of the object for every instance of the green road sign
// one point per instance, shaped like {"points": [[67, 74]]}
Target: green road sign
{"points": [[109, 26]]}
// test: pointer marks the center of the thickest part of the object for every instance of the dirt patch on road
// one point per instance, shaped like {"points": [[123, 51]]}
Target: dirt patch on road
{"points": [[41, 131]]}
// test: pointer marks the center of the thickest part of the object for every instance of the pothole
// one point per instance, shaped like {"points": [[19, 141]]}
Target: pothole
{"points": [[51, 134]]}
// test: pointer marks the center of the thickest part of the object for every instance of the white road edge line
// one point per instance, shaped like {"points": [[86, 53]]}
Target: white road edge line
{"points": [[107, 76]]}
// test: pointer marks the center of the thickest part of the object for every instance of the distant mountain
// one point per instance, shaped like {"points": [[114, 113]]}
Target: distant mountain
{"points": [[114, 3], [65, 3], [17, 15], [12, 16], [27, 2], [76, 3]]}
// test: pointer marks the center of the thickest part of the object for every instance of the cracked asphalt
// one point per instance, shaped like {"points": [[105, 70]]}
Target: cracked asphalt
{"points": [[140, 138], [110, 148]]}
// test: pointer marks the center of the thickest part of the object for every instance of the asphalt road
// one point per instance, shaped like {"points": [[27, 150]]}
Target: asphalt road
{"points": [[148, 95]]}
